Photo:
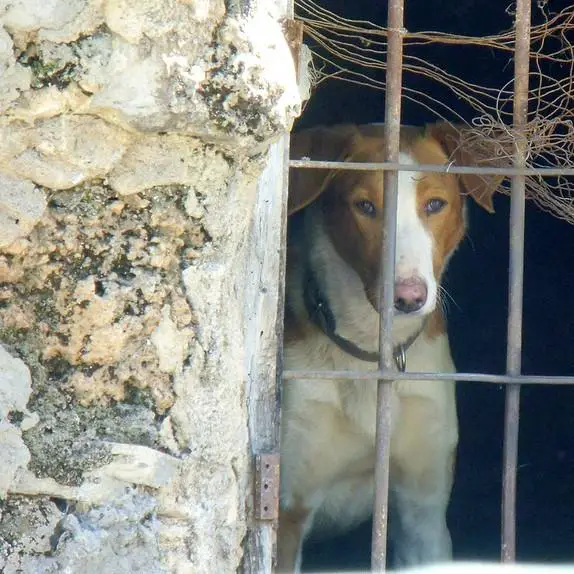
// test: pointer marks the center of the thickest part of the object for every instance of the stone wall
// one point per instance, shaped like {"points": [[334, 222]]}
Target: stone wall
{"points": [[132, 138]]}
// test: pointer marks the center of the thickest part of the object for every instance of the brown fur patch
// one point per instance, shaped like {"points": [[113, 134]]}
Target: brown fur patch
{"points": [[446, 226], [357, 238], [294, 328], [291, 529], [454, 140], [436, 325]]}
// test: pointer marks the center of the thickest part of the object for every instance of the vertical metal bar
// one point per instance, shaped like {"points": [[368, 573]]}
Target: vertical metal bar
{"points": [[387, 269], [516, 276]]}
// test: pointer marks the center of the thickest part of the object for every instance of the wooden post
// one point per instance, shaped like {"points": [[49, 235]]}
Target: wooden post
{"points": [[266, 278]]}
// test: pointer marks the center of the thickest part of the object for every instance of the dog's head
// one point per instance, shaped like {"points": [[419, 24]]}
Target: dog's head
{"points": [[430, 217]]}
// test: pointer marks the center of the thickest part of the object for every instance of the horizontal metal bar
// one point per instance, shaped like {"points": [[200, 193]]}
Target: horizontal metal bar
{"points": [[387, 165], [471, 377]]}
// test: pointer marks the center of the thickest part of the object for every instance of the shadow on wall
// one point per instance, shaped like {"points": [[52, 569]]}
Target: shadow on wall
{"points": [[478, 282]]}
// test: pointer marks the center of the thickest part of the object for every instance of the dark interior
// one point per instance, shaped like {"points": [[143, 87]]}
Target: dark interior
{"points": [[478, 281]]}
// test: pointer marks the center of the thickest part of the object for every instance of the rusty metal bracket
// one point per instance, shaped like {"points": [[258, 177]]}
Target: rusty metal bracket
{"points": [[293, 31], [267, 486]]}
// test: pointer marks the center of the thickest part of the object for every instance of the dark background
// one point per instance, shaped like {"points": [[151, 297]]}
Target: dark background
{"points": [[478, 281]]}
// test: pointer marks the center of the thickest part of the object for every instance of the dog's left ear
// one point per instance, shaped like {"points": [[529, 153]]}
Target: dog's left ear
{"points": [[466, 151], [320, 143]]}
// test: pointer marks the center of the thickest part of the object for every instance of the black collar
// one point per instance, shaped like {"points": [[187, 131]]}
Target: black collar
{"points": [[321, 314]]}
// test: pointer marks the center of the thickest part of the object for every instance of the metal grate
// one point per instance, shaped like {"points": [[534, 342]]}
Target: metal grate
{"points": [[386, 372]]}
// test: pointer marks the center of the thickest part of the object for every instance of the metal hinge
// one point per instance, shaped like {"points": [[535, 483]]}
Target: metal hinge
{"points": [[267, 486]]}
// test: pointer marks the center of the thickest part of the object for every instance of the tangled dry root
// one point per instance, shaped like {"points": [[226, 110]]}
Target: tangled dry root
{"points": [[355, 51]]}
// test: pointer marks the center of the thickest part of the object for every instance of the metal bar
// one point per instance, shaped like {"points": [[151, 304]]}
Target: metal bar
{"points": [[386, 281], [516, 281], [470, 377], [390, 165]]}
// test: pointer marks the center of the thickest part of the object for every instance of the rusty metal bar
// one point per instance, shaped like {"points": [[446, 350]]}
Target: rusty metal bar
{"points": [[386, 282], [516, 280], [470, 377], [390, 165]]}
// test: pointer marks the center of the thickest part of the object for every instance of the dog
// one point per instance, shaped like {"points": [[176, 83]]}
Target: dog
{"points": [[331, 323]]}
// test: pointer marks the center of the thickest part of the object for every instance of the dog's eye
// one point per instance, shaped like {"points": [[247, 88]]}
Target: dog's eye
{"points": [[434, 205], [366, 207]]}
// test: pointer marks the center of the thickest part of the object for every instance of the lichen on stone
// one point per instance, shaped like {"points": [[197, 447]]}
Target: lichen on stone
{"points": [[15, 416], [38, 536], [132, 136], [27, 525], [51, 64], [92, 295]]}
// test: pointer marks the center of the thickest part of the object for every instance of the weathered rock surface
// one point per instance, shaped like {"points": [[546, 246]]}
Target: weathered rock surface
{"points": [[132, 135]]}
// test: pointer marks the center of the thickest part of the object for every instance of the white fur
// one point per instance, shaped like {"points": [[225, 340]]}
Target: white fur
{"points": [[414, 243]]}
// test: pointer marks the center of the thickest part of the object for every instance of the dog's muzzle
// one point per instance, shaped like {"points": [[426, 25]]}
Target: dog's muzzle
{"points": [[410, 294]]}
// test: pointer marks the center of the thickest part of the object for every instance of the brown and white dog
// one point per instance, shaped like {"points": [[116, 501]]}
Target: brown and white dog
{"points": [[331, 323]]}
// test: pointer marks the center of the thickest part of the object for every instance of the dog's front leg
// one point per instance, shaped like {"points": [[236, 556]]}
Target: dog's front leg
{"points": [[422, 456], [293, 525]]}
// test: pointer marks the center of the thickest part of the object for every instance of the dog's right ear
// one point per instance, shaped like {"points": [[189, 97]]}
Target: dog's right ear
{"points": [[320, 143], [466, 151]]}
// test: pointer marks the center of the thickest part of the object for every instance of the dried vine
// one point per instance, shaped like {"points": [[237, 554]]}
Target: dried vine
{"points": [[355, 51]]}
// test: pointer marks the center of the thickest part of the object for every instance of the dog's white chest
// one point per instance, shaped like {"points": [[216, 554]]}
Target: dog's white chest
{"points": [[354, 400]]}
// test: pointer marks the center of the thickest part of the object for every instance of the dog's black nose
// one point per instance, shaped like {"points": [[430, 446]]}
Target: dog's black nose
{"points": [[410, 294]]}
